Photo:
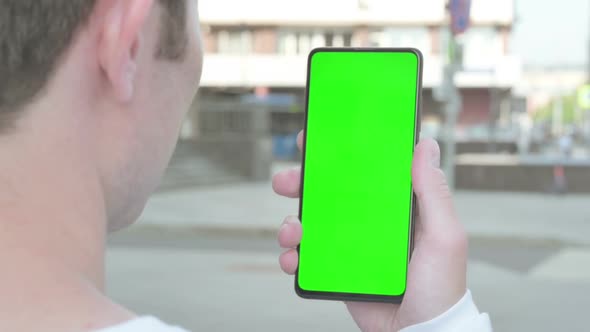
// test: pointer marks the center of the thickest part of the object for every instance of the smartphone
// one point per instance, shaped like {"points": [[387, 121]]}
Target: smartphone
{"points": [[357, 202]]}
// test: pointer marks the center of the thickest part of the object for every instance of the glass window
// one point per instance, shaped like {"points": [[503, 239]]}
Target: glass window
{"points": [[304, 43], [288, 44], [347, 39], [329, 38], [338, 40], [319, 40], [301, 42], [234, 41]]}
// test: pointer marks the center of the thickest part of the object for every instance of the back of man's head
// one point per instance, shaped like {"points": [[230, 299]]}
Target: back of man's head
{"points": [[115, 75], [34, 34]]}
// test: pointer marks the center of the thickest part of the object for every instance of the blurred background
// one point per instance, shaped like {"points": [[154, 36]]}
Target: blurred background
{"points": [[505, 94]]}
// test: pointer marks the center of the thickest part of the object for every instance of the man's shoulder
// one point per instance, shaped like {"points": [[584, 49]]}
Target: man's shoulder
{"points": [[144, 324]]}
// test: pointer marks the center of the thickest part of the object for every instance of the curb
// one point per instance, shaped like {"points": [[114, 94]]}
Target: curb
{"points": [[201, 230], [152, 230]]}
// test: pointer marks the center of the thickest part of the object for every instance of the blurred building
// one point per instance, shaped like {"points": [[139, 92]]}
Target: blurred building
{"points": [[257, 49], [542, 84]]}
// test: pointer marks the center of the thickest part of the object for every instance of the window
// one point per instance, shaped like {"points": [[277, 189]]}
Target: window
{"points": [[329, 39], [288, 44], [302, 42], [347, 39], [318, 40], [234, 41], [338, 40]]}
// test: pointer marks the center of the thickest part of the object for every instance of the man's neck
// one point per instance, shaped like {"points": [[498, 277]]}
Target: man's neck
{"points": [[52, 207], [52, 237]]}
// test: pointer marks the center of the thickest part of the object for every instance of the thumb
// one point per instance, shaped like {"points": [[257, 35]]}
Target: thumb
{"points": [[438, 269], [430, 185]]}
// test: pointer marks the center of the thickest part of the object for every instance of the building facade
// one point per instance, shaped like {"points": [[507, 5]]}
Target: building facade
{"points": [[260, 48]]}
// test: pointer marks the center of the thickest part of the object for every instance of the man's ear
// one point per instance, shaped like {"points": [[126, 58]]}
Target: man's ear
{"points": [[119, 42]]}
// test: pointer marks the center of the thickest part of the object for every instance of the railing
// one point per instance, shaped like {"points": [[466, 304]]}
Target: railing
{"points": [[236, 136]]}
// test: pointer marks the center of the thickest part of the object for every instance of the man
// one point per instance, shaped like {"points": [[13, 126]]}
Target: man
{"points": [[92, 96]]}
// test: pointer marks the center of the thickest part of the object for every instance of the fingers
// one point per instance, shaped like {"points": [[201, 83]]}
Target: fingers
{"points": [[438, 220], [290, 237], [290, 233], [289, 261], [438, 269], [287, 183], [430, 185]]}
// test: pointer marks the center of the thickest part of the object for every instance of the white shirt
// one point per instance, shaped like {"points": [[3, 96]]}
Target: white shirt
{"points": [[144, 324], [462, 317]]}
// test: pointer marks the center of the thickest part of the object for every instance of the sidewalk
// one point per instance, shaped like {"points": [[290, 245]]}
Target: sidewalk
{"points": [[246, 291], [540, 284], [255, 208]]}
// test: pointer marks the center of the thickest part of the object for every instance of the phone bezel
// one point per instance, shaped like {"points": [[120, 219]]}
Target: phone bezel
{"points": [[335, 296]]}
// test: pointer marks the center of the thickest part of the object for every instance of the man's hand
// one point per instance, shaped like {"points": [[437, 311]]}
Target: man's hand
{"points": [[437, 270]]}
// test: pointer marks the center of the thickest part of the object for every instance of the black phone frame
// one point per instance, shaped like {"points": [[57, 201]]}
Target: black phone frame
{"points": [[335, 296]]}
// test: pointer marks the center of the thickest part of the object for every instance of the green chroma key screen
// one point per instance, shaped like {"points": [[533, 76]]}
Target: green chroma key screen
{"points": [[356, 202]]}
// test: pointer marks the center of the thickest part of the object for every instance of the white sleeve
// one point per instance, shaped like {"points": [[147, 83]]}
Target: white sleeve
{"points": [[144, 324], [462, 317]]}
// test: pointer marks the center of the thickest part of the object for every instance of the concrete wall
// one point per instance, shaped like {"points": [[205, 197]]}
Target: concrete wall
{"points": [[237, 137], [249, 157], [513, 174]]}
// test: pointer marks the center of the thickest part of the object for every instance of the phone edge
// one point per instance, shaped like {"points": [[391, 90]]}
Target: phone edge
{"points": [[312, 295]]}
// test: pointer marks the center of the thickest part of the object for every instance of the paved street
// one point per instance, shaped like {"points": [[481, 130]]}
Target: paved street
{"points": [[251, 207], [219, 283], [206, 258]]}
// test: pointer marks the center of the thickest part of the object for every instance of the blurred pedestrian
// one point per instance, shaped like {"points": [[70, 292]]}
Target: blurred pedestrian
{"points": [[565, 143]]}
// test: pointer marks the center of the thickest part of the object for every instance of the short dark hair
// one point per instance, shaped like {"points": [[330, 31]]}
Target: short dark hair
{"points": [[34, 34]]}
